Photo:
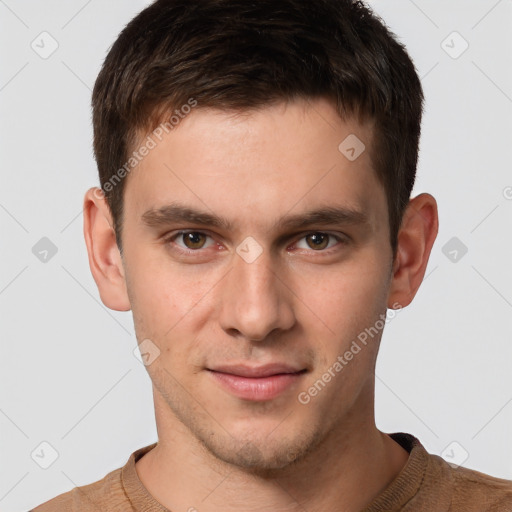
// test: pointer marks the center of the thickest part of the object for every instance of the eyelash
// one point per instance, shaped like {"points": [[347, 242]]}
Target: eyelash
{"points": [[171, 237]]}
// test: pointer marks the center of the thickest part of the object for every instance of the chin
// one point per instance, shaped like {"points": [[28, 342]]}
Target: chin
{"points": [[262, 456]]}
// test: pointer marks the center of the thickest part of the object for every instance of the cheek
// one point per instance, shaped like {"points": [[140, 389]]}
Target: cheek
{"points": [[341, 311], [161, 291], [342, 329], [170, 308], [349, 295]]}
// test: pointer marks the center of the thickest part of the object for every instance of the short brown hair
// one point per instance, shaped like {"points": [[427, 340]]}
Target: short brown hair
{"points": [[240, 55]]}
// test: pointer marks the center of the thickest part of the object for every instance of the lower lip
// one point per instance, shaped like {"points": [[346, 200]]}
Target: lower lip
{"points": [[256, 388]]}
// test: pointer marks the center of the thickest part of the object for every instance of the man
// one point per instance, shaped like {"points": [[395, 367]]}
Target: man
{"points": [[256, 162]]}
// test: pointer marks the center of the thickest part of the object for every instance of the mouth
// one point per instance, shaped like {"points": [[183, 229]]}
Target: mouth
{"points": [[256, 383]]}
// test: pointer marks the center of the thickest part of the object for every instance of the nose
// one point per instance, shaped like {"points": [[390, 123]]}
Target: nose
{"points": [[256, 299]]}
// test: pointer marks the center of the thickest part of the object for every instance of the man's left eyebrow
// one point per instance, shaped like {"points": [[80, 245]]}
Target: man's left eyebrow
{"points": [[328, 215]]}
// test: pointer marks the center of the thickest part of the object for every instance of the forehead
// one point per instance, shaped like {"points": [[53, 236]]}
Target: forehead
{"points": [[255, 166]]}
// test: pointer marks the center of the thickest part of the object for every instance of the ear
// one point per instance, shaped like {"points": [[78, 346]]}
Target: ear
{"points": [[415, 240], [105, 259]]}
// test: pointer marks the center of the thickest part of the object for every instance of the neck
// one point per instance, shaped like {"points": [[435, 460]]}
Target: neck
{"points": [[347, 470]]}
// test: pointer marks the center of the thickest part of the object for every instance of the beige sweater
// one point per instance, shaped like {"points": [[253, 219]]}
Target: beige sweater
{"points": [[426, 483]]}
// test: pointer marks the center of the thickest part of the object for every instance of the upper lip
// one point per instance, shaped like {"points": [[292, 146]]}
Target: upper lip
{"points": [[257, 371]]}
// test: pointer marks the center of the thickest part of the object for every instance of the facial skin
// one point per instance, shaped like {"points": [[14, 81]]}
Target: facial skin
{"points": [[297, 303]]}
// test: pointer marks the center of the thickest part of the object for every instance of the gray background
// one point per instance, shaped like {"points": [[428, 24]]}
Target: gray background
{"points": [[68, 374]]}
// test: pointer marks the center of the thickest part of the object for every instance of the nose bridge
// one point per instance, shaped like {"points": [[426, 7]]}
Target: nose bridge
{"points": [[255, 300], [259, 277]]}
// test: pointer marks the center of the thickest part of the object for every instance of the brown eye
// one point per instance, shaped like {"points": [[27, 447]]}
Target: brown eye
{"points": [[193, 239], [317, 240], [189, 243]]}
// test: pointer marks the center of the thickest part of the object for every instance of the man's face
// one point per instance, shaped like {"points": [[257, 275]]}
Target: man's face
{"points": [[259, 291]]}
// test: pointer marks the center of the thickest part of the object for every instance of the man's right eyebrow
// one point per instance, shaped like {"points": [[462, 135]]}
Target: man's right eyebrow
{"points": [[177, 213]]}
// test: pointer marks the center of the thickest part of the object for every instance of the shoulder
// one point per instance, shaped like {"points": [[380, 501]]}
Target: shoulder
{"points": [[473, 491], [114, 492], [429, 482], [110, 493], [92, 497]]}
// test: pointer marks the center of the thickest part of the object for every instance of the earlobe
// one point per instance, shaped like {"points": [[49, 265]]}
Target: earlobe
{"points": [[105, 259], [415, 240]]}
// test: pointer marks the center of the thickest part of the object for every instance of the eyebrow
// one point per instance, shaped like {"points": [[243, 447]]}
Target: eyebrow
{"points": [[179, 213]]}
